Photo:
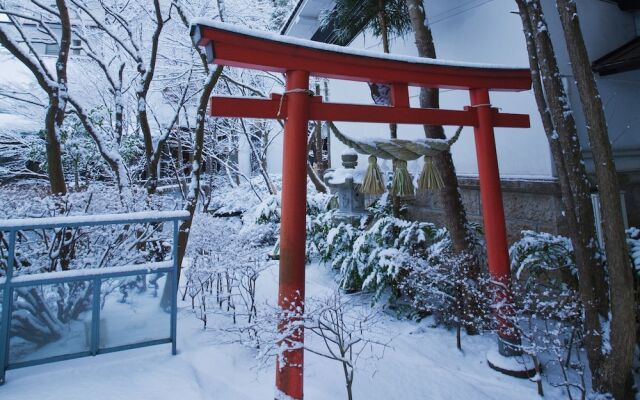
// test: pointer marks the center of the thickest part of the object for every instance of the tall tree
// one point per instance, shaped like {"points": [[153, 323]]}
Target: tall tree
{"points": [[617, 372], [560, 128], [55, 84], [456, 216]]}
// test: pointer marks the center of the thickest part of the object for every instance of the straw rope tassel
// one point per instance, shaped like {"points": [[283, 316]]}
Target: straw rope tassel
{"points": [[430, 178], [402, 184], [373, 183]]}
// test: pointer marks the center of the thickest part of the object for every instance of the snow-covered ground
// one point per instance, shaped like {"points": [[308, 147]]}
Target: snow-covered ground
{"points": [[421, 363]]}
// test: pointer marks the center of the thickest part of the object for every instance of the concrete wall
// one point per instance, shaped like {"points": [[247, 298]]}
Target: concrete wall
{"points": [[528, 205]]}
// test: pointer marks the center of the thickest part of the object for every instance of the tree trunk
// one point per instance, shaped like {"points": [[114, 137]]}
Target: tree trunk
{"points": [[618, 378], [316, 180], [393, 128], [54, 152], [456, 216], [560, 129], [321, 164]]}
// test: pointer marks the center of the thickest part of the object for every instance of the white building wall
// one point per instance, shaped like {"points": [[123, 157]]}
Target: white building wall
{"points": [[605, 28], [489, 33]]}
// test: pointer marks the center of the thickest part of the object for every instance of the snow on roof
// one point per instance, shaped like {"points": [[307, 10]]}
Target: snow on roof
{"points": [[340, 175], [19, 123], [275, 37]]}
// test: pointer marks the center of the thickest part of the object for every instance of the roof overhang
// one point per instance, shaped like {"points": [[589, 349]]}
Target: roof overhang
{"points": [[623, 59], [628, 5]]}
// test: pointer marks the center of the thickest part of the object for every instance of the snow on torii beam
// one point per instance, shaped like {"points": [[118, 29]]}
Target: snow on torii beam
{"points": [[298, 60]]}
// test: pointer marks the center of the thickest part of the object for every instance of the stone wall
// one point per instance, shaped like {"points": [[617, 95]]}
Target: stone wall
{"points": [[528, 204]]}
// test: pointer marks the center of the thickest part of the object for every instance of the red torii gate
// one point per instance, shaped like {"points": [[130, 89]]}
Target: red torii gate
{"points": [[298, 59]]}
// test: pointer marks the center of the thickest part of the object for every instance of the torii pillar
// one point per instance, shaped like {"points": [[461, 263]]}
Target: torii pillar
{"points": [[290, 374]]}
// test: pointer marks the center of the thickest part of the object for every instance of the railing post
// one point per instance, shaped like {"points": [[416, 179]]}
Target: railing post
{"points": [[95, 316], [6, 308], [174, 288], [289, 368]]}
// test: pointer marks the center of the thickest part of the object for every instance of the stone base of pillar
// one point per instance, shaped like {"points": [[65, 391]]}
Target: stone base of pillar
{"points": [[518, 366]]}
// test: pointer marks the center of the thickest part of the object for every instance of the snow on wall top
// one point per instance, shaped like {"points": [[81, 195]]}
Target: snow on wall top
{"points": [[272, 36]]}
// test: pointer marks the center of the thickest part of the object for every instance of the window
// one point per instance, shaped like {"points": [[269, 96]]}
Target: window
{"points": [[51, 49], [76, 47]]}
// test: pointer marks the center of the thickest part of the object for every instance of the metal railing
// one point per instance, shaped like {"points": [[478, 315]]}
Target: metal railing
{"points": [[94, 276]]}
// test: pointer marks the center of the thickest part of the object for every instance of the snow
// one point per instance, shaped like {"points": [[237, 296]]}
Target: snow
{"points": [[349, 152], [76, 220], [422, 362], [340, 175], [339, 49], [14, 122]]}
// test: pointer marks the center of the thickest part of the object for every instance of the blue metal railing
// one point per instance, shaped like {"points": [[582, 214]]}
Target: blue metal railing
{"points": [[95, 276]]}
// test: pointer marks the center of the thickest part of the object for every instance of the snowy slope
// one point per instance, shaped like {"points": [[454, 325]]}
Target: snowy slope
{"points": [[422, 363]]}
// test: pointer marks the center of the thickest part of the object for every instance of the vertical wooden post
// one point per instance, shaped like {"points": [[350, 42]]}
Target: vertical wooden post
{"points": [[494, 223], [289, 368]]}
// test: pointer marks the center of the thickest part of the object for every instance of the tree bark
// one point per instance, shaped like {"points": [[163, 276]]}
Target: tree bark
{"points": [[393, 128], [456, 216], [54, 151], [561, 132], [617, 374], [147, 73], [316, 180]]}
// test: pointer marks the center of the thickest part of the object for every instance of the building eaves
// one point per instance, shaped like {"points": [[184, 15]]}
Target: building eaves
{"points": [[622, 59]]}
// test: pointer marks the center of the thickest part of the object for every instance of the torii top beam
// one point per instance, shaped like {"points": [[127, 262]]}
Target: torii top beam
{"points": [[237, 47]]}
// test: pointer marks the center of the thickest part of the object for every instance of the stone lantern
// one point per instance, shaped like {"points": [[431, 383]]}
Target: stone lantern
{"points": [[346, 181]]}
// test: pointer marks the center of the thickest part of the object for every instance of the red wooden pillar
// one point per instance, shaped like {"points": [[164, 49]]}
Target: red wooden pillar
{"points": [[494, 223], [289, 369]]}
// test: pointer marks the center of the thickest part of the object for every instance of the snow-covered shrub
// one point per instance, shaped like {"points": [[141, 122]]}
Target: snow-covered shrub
{"points": [[633, 241], [267, 211], [319, 203], [373, 258], [339, 252], [545, 277], [440, 283], [548, 308], [18, 156], [382, 254], [318, 227], [222, 278], [539, 254]]}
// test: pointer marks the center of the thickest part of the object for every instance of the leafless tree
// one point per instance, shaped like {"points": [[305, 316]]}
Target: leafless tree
{"points": [[346, 331]]}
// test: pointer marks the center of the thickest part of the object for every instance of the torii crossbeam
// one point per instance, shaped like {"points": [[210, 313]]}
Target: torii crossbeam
{"points": [[298, 60]]}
